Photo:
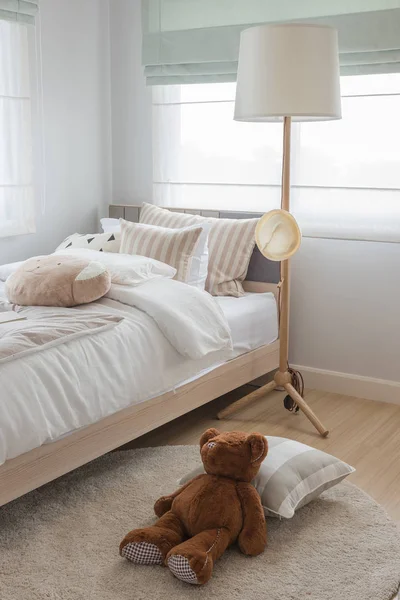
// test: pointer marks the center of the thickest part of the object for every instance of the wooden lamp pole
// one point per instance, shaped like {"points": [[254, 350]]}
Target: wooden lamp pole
{"points": [[282, 377], [286, 70]]}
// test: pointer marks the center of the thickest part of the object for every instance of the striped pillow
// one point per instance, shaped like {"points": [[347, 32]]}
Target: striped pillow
{"points": [[291, 475], [230, 246], [175, 247]]}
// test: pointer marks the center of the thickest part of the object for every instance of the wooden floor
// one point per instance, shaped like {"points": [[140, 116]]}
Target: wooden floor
{"points": [[364, 433]]}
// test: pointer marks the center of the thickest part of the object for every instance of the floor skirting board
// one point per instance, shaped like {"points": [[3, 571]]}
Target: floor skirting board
{"points": [[351, 385]]}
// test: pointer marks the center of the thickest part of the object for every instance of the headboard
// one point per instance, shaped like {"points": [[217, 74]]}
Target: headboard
{"points": [[262, 272]]}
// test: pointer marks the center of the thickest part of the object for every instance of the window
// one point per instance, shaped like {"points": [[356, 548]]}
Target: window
{"points": [[345, 174], [17, 209]]}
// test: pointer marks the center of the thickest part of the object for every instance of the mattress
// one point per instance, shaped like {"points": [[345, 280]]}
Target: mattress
{"points": [[59, 390]]}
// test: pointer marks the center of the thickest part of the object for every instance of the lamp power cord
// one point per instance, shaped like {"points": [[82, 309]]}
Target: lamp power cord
{"points": [[298, 384]]}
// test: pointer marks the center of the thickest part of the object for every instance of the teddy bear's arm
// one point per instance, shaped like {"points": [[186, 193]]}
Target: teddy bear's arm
{"points": [[164, 503], [253, 537]]}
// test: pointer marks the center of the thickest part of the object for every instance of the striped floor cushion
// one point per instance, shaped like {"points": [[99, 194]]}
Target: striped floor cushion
{"points": [[174, 247], [230, 246], [291, 475]]}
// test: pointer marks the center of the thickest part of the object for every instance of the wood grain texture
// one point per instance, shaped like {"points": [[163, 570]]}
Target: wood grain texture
{"points": [[364, 433], [41, 465], [294, 394], [243, 402], [285, 264]]}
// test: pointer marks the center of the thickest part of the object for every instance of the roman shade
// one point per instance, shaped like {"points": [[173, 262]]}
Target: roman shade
{"points": [[21, 11], [197, 41]]}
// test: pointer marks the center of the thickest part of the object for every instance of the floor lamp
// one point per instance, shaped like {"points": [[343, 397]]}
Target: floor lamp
{"points": [[286, 72]]}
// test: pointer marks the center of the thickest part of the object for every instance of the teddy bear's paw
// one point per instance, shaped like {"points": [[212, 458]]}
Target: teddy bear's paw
{"points": [[142, 553], [180, 567], [163, 505]]}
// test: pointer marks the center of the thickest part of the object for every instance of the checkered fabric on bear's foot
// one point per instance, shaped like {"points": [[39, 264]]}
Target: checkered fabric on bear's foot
{"points": [[142, 553], [180, 567]]}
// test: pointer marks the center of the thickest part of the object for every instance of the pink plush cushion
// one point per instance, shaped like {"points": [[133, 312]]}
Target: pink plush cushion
{"points": [[57, 281]]}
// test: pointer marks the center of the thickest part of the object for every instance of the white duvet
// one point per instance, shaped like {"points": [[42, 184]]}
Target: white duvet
{"points": [[190, 319], [170, 332]]}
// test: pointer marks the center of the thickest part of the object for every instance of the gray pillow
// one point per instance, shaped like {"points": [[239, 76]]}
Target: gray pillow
{"points": [[291, 475]]}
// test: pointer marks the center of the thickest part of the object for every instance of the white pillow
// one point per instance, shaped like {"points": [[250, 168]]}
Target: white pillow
{"points": [[291, 475], [199, 266], [8, 269], [104, 242], [125, 269], [110, 225]]}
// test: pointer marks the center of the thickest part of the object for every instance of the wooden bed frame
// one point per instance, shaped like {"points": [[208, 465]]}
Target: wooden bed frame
{"points": [[41, 465]]}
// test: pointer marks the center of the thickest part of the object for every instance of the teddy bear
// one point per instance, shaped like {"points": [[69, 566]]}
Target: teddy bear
{"points": [[207, 514]]}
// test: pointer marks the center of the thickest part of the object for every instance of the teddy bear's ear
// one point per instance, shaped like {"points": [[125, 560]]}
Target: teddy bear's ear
{"points": [[258, 447], [207, 435]]}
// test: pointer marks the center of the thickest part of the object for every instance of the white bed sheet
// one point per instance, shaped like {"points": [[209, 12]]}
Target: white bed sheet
{"points": [[252, 320], [47, 395]]}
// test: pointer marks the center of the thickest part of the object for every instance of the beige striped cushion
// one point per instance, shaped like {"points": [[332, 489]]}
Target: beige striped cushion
{"points": [[170, 246], [230, 246], [291, 475]]}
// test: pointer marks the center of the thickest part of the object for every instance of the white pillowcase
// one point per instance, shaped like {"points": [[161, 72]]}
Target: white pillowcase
{"points": [[125, 269], [106, 242], [199, 266], [110, 225]]}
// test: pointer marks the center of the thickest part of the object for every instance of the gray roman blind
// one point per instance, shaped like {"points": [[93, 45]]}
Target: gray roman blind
{"points": [[197, 41], [22, 11]]}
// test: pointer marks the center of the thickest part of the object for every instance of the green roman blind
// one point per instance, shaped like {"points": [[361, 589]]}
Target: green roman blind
{"points": [[22, 11], [197, 41]]}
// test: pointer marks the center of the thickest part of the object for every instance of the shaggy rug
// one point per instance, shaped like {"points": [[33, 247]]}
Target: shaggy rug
{"points": [[61, 542]]}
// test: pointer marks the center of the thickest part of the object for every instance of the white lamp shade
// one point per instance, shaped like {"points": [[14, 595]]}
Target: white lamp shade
{"points": [[288, 70]]}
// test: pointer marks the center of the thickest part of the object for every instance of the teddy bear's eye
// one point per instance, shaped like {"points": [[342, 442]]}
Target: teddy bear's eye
{"points": [[211, 444]]}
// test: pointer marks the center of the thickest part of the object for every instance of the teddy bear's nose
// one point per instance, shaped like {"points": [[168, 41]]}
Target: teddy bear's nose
{"points": [[211, 444]]}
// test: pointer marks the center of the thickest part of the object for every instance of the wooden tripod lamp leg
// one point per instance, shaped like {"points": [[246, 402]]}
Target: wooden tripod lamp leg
{"points": [[282, 376], [302, 404], [242, 402]]}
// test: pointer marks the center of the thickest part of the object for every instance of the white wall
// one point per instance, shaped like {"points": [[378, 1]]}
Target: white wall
{"points": [[345, 308], [77, 135], [131, 107], [345, 295]]}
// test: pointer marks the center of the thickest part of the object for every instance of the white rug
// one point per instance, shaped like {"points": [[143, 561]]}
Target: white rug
{"points": [[61, 542]]}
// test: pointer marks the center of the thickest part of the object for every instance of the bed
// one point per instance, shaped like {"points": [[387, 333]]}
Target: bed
{"points": [[101, 409]]}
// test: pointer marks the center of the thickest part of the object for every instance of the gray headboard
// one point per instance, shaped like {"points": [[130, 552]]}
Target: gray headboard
{"points": [[260, 268]]}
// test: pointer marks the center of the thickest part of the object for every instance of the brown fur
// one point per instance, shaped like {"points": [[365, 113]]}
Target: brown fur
{"points": [[210, 512]]}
